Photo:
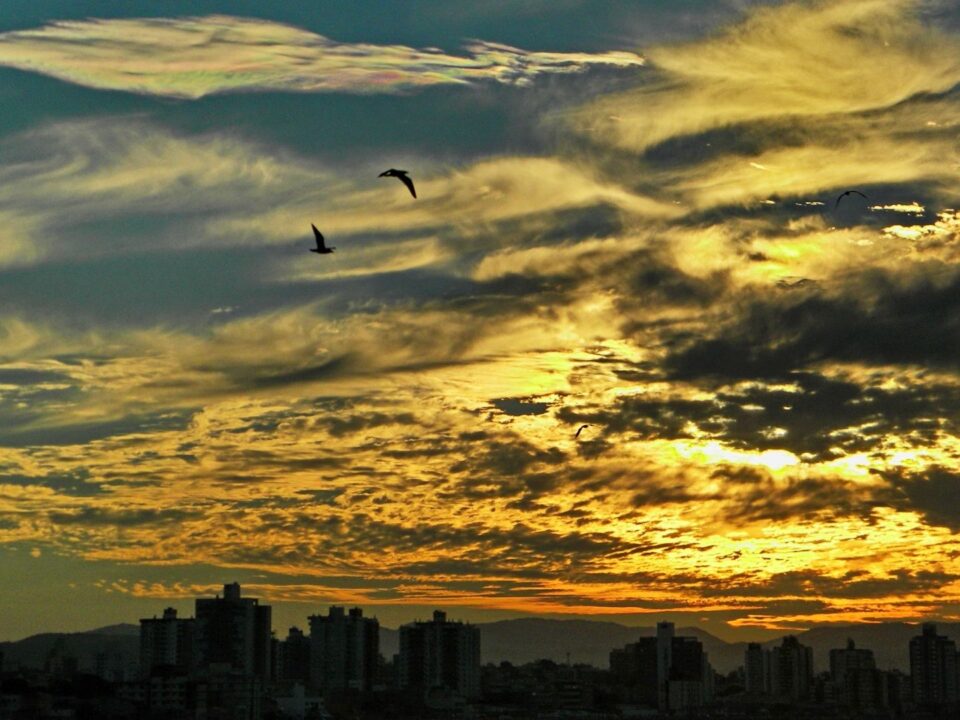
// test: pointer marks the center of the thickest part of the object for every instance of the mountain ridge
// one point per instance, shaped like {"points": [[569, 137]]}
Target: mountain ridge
{"points": [[522, 640]]}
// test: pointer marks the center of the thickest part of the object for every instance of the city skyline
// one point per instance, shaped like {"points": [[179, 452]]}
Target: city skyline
{"points": [[665, 332], [319, 619]]}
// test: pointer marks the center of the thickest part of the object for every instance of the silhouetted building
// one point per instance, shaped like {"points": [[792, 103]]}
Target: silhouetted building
{"points": [[294, 657], [857, 682], [344, 649], [440, 657], [233, 631], [933, 668], [664, 647], [166, 642], [689, 676], [898, 690], [756, 669], [168, 693], [850, 658], [791, 670], [226, 694], [635, 669], [666, 671]]}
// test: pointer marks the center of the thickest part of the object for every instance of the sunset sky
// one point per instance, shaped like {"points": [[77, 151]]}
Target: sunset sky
{"points": [[627, 218]]}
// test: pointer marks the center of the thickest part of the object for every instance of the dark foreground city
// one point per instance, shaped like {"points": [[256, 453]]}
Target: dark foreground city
{"points": [[227, 662]]}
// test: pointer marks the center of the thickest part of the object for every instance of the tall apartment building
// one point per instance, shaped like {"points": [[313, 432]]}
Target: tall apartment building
{"points": [[635, 669], [689, 682], [858, 683], [294, 661], [344, 650], [791, 670], [440, 655], [756, 667], [664, 658], [933, 668], [233, 633], [666, 671], [166, 642]]}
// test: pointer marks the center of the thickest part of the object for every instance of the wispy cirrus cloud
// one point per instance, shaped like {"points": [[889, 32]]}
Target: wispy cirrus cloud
{"points": [[796, 60], [196, 56]]}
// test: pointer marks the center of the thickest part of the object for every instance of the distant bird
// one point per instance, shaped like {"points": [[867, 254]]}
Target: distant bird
{"points": [[579, 430], [848, 192], [321, 246], [402, 176]]}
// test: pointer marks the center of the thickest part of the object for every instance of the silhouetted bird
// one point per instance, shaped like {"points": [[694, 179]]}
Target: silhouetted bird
{"points": [[579, 430], [402, 176], [848, 192], [321, 246]]}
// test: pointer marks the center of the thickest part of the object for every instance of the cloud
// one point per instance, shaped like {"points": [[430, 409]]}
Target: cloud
{"points": [[932, 492], [196, 56], [771, 381], [882, 319], [121, 518], [124, 186], [799, 59], [76, 483]]}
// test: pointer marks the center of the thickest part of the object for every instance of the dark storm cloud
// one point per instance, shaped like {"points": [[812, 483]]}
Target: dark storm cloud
{"points": [[643, 278], [826, 417], [753, 495], [888, 322], [934, 493], [813, 416]]}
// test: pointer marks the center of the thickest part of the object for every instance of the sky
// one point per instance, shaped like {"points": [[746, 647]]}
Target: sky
{"points": [[628, 216]]}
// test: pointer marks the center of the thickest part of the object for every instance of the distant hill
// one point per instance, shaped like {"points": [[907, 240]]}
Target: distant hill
{"points": [[517, 641], [587, 641], [528, 639], [120, 644], [127, 629], [890, 642]]}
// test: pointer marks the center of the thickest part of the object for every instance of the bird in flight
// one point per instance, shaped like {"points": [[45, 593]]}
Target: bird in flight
{"points": [[321, 246], [402, 176], [579, 430], [848, 192]]}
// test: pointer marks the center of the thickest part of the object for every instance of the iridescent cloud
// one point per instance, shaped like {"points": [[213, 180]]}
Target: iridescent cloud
{"points": [[196, 56]]}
